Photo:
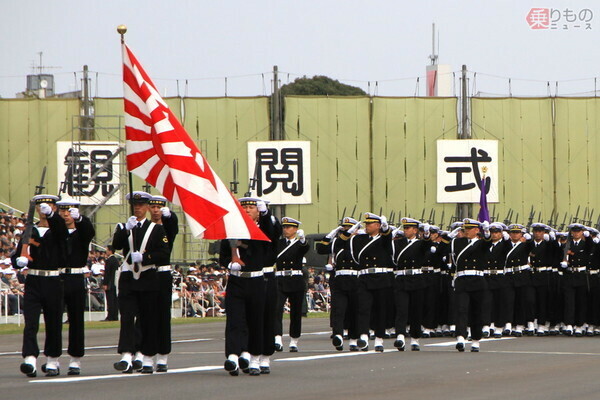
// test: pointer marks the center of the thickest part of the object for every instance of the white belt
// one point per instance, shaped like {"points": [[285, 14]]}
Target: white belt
{"points": [[250, 274], [268, 270], [126, 267], [164, 268], [71, 270], [415, 271], [43, 272], [469, 272], [517, 269], [345, 272], [578, 269], [594, 272], [374, 271], [542, 269], [288, 272], [494, 272]]}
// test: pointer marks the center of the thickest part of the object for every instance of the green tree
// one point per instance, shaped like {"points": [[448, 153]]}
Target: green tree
{"points": [[320, 85]]}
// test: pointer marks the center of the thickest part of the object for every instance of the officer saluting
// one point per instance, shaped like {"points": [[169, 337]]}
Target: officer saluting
{"points": [[290, 281], [145, 246], [43, 287], [161, 214], [81, 232]]}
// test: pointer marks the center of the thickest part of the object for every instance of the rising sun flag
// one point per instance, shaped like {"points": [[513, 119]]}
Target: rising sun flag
{"points": [[161, 152]]}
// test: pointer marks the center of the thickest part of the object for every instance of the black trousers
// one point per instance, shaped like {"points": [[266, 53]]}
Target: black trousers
{"points": [[344, 304], [445, 307], [556, 299], [470, 311], [143, 305], [296, 299], [165, 293], [524, 304], [245, 305], [575, 303], [431, 301], [74, 296], [43, 294], [501, 306], [542, 301], [270, 315], [372, 301], [409, 310], [112, 304]]}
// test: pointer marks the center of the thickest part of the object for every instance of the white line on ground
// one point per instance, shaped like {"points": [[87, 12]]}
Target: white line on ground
{"points": [[453, 343]]}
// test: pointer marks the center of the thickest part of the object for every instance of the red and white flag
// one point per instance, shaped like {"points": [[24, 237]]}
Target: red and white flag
{"points": [[161, 152]]}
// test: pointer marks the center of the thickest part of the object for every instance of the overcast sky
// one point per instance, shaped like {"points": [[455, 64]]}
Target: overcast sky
{"points": [[353, 41]]}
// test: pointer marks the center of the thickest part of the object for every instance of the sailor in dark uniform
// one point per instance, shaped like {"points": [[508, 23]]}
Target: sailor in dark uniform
{"points": [[81, 232], [344, 285], [409, 253], [593, 317], [577, 253], [161, 214], [372, 252], [542, 256], [145, 246], [245, 297], [468, 254], [109, 284], [43, 287], [519, 272], [290, 280]]}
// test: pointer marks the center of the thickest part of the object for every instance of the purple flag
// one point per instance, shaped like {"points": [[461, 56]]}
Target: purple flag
{"points": [[484, 214]]}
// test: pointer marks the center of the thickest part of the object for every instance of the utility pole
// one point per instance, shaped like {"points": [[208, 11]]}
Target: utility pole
{"points": [[464, 209], [87, 120], [276, 131]]}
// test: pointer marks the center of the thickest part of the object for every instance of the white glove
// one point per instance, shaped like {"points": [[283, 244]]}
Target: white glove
{"points": [[233, 266], [485, 226], [333, 233], [361, 231], [131, 223], [425, 227], [563, 264], [505, 235], [433, 249], [596, 239], [354, 228], [552, 235], [329, 267], [527, 236], [262, 206], [136, 257], [398, 232], [586, 233], [22, 261], [384, 224], [454, 233], [74, 213], [546, 237], [165, 212], [45, 209], [300, 236]]}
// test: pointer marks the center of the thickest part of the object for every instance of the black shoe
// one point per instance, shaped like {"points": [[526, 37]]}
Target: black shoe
{"points": [[293, 349], [453, 333], [28, 370], [339, 348], [446, 334], [366, 348], [43, 368], [506, 332], [74, 371], [244, 363], [254, 372], [147, 369], [346, 337], [265, 370], [415, 347], [235, 372], [124, 367], [361, 343], [278, 347], [372, 337], [589, 333], [474, 349], [337, 341], [52, 372], [426, 335], [497, 335], [353, 347], [486, 334], [460, 346], [137, 365], [379, 349], [161, 368], [528, 333], [231, 367], [517, 334], [386, 336], [578, 334], [399, 344]]}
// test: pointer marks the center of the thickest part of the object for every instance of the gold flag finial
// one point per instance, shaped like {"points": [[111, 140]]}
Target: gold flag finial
{"points": [[122, 29]]}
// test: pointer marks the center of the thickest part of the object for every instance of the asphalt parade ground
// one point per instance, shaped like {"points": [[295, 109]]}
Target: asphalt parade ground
{"points": [[507, 368]]}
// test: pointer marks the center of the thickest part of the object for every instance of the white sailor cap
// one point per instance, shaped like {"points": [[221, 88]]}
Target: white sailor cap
{"points": [[65, 204], [370, 218], [497, 226], [289, 221], [576, 227], [348, 221], [410, 222], [158, 201], [471, 223], [516, 228], [45, 198], [455, 225], [138, 197], [539, 226]]}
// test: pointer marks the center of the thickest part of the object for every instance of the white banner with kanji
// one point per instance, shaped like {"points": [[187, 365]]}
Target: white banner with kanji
{"points": [[280, 171], [461, 167]]}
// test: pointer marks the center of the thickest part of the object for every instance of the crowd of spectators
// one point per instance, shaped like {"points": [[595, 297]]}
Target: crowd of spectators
{"points": [[198, 289]]}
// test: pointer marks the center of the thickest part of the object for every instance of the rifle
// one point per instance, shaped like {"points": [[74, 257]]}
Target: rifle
{"points": [[562, 227], [575, 219], [343, 215], [431, 216], [26, 238], [353, 210], [531, 217], [233, 185]]}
